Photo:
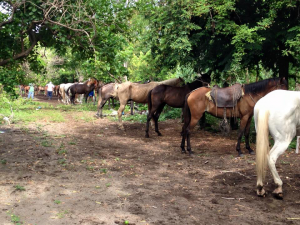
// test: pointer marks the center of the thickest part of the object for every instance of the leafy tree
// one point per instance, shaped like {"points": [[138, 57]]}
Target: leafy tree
{"points": [[225, 38]]}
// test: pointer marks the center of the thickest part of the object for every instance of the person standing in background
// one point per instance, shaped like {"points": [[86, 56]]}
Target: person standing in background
{"points": [[31, 91], [50, 87]]}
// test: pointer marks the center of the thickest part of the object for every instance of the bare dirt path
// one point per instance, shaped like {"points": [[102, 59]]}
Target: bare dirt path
{"points": [[79, 172]]}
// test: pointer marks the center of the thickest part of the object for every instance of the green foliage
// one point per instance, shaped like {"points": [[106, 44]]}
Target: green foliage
{"points": [[170, 113], [10, 78], [186, 72], [140, 68], [223, 38]]}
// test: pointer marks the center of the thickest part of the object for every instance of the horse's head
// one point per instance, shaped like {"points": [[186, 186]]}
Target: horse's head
{"points": [[92, 81], [282, 84]]}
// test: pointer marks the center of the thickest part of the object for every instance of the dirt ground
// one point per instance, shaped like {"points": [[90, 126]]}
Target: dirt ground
{"points": [[91, 173]]}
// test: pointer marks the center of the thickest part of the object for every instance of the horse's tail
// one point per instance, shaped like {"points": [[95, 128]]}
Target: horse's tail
{"points": [[67, 92], [262, 144], [99, 95], [149, 101], [186, 115]]}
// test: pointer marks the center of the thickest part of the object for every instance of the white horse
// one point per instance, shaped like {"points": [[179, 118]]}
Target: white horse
{"points": [[278, 113]]}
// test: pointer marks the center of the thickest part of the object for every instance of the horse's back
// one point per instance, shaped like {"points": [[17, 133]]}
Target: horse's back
{"points": [[197, 97], [283, 108]]}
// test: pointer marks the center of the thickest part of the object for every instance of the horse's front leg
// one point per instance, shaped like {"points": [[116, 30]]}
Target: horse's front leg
{"points": [[120, 111], [86, 97], [247, 134], [131, 107], [244, 120]]}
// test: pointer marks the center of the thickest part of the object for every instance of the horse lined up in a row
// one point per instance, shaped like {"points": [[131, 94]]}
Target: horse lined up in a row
{"points": [[195, 98], [38, 90], [67, 92], [236, 101]]}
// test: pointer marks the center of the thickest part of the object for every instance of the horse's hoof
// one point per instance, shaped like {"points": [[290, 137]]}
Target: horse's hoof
{"points": [[241, 155], [121, 128], [251, 152], [261, 193], [278, 195], [183, 151], [147, 136], [191, 153], [159, 134]]}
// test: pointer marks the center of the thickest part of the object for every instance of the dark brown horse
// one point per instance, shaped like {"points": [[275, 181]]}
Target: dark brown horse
{"points": [[84, 88], [163, 95], [197, 102]]}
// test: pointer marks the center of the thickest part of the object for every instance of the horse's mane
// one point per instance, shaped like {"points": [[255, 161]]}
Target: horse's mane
{"points": [[260, 85]]}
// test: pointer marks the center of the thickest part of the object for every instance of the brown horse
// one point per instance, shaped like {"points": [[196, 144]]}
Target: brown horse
{"points": [[138, 92], [26, 89], [197, 102], [41, 89], [22, 89], [84, 88], [55, 90], [163, 95], [105, 93]]}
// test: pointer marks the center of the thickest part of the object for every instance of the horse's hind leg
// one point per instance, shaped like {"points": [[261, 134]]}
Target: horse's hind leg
{"points": [[277, 150], [247, 134], [183, 134], [120, 110], [149, 117], [156, 117]]}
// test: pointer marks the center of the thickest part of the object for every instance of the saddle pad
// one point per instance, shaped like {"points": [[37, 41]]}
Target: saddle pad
{"points": [[226, 97]]}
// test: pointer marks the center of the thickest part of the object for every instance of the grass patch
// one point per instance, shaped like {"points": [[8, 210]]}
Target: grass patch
{"points": [[135, 118], [33, 116], [46, 143], [85, 118], [15, 219], [19, 188], [61, 150], [57, 202], [72, 143], [62, 214], [62, 162]]}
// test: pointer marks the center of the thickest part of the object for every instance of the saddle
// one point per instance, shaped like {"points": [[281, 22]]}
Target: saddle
{"points": [[226, 97]]}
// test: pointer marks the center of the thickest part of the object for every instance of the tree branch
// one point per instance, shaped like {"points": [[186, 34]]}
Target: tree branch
{"points": [[23, 53]]}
